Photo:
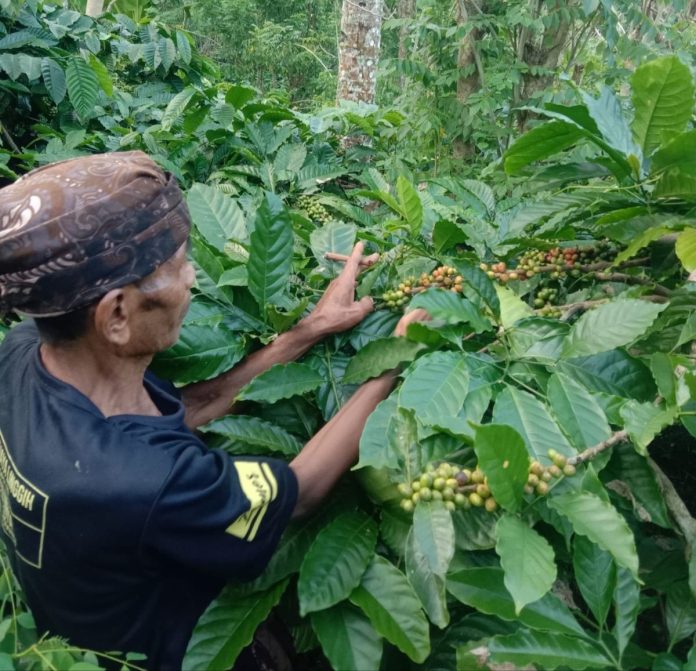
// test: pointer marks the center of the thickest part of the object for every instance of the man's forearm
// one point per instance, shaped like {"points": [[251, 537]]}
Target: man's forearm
{"points": [[205, 401], [334, 449]]}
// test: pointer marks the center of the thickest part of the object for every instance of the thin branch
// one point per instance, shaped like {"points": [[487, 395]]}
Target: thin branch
{"points": [[8, 139], [591, 452], [675, 504]]}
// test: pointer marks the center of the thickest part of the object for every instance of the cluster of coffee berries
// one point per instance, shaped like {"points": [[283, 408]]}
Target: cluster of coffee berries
{"points": [[539, 476], [456, 487], [545, 301], [499, 271], [443, 277], [315, 210]]}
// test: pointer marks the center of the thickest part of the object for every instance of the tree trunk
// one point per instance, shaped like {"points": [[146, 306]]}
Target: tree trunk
{"points": [[468, 80], [405, 10], [94, 7], [358, 50]]}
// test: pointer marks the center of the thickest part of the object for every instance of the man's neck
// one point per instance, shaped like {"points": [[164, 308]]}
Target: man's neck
{"points": [[112, 382]]}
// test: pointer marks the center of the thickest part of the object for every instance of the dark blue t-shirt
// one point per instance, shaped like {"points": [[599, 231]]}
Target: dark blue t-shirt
{"points": [[122, 529]]}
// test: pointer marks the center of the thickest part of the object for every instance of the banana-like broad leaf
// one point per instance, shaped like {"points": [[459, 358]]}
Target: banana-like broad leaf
{"points": [[601, 523], [595, 573], [546, 650], [83, 86], [503, 457], [527, 559], [609, 326], [336, 561], [663, 100], [228, 626], [387, 598], [484, 589], [347, 638], [281, 381], [540, 143], [270, 253], [532, 420]]}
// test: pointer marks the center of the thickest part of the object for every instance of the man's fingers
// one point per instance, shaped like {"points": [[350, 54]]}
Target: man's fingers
{"points": [[353, 262]]}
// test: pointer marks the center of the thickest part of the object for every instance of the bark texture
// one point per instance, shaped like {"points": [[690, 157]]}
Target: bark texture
{"points": [[406, 9], [358, 50]]}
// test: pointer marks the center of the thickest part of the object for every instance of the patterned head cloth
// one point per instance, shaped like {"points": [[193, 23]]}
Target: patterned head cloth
{"points": [[72, 231]]}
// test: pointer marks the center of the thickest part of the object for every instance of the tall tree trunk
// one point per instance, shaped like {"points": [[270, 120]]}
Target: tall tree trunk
{"points": [[468, 80], [94, 7], [358, 50], [406, 9]]}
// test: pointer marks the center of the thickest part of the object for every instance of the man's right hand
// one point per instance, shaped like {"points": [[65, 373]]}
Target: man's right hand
{"points": [[417, 315]]}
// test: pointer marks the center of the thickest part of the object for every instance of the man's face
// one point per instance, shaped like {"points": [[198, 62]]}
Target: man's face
{"points": [[165, 296]]}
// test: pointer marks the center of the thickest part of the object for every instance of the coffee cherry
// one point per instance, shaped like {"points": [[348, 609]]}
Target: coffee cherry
{"points": [[491, 505], [532, 480], [450, 506], [475, 500], [426, 494], [542, 489], [439, 483], [407, 505], [569, 470], [554, 471], [462, 477], [536, 468], [483, 491], [405, 489]]}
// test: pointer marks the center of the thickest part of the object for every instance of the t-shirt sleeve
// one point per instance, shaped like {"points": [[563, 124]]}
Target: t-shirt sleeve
{"points": [[219, 514]]}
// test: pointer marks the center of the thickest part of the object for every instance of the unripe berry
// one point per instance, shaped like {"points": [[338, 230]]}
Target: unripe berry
{"points": [[439, 483], [542, 489], [426, 494], [569, 470], [483, 491], [437, 495], [554, 471], [448, 494], [415, 485], [426, 480], [528, 489], [461, 500], [477, 476], [546, 476], [536, 468], [449, 505], [405, 489], [407, 505], [491, 505], [559, 460], [475, 500], [416, 497], [533, 480]]}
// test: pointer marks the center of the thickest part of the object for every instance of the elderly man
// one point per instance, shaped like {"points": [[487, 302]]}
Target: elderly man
{"points": [[120, 524]]}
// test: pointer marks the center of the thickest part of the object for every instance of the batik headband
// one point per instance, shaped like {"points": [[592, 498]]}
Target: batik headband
{"points": [[72, 231]]}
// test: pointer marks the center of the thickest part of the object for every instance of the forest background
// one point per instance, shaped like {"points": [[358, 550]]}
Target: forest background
{"points": [[524, 498]]}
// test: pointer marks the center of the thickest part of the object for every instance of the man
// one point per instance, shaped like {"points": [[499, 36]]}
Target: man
{"points": [[120, 524]]}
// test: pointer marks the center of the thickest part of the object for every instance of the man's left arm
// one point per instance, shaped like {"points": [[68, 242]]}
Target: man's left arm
{"points": [[336, 311]]}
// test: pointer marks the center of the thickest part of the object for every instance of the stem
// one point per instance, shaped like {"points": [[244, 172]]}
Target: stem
{"points": [[675, 504], [591, 452], [8, 139]]}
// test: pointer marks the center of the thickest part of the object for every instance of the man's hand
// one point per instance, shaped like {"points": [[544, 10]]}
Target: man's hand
{"points": [[417, 315], [337, 310]]}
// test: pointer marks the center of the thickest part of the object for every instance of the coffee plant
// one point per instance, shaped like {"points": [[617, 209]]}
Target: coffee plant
{"points": [[512, 506]]}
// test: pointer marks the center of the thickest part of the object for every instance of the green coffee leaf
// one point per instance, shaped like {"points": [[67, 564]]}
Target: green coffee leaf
{"points": [[429, 586], [532, 420], [527, 559], [451, 308], [595, 572], [685, 248], [336, 237], [281, 381], [347, 638], [601, 523], [546, 650], [410, 204], [609, 326], [512, 307], [477, 283], [380, 356], [539, 143], [626, 607], [270, 252], [433, 533], [484, 589], [251, 432], [663, 100], [437, 386], [644, 421], [201, 353], [83, 86], [375, 449], [580, 416], [502, 456], [217, 217], [227, 627], [680, 612], [54, 79], [387, 598], [336, 561]]}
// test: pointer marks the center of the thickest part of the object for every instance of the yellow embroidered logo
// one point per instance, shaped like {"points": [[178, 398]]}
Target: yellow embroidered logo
{"points": [[260, 487]]}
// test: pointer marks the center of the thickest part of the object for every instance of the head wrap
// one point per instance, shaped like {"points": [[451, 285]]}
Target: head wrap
{"points": [[72, 231]]}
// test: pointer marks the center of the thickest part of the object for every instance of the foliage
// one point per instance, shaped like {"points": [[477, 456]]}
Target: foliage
{"points": [[560, 349]]}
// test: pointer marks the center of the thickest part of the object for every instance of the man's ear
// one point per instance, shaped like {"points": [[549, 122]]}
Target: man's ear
{"points": [[112, 317]]}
